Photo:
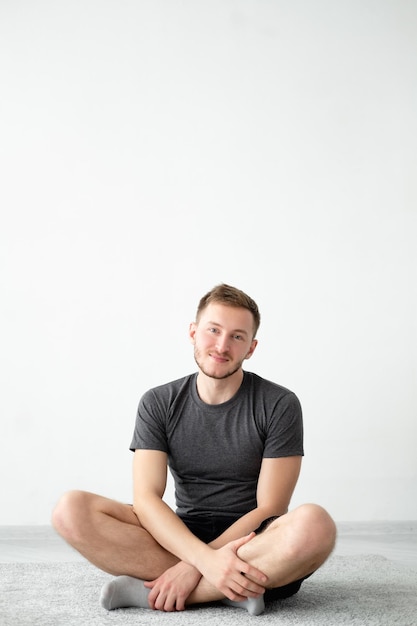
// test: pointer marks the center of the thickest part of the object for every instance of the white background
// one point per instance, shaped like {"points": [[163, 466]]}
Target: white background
{"points": [[152, 149]]}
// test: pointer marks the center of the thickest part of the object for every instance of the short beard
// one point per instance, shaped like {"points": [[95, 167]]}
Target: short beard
{"points": [[223, 376]]}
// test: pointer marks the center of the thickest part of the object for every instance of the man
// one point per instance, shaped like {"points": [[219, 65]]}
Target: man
{"points": [[233, 442]]}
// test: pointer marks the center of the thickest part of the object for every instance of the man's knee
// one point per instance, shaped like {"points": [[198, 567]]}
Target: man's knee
{"points": [[322, 525], [70, 512], [316, 529], [309, 530]]}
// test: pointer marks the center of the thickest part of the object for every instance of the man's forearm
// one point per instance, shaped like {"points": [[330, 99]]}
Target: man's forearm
{"points": [[242, 527], [169, 530]]}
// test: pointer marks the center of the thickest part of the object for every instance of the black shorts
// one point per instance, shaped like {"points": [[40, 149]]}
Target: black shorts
{"points": [[209, 527]]}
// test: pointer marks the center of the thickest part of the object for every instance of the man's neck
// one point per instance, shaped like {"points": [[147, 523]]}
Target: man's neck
{"points": [[217, 391]]}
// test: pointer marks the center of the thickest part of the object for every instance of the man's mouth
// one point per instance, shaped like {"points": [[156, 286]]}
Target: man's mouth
{"points": [[219, 358]]}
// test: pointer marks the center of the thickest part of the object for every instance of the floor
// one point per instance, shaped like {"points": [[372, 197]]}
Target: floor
{"points": [[396, 541]]}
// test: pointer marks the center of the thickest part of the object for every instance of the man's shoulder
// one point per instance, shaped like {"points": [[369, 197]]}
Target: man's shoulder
{"points": [[260, 383], [170, 388], [271, 398]]}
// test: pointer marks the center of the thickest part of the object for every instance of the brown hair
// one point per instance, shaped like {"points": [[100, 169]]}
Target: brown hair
{"points": [[231, 296]]}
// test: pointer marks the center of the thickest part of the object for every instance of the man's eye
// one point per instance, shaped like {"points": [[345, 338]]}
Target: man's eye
{"points": [[238, 337]]}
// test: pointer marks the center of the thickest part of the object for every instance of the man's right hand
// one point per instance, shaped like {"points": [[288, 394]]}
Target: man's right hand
{"points": [[170, 591]]}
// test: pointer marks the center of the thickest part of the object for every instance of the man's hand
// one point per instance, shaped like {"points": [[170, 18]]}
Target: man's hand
{"points": [[170, 591], [236, 579]]}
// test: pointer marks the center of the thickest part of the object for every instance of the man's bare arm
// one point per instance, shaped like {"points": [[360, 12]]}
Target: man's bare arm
{"points": [[276, 484]]}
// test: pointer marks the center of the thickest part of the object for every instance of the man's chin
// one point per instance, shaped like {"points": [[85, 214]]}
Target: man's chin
{"points": [[216, 373]]}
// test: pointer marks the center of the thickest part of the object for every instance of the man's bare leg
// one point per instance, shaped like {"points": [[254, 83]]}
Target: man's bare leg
{"points": [[293, 546], [290, 548], [109, 535]]}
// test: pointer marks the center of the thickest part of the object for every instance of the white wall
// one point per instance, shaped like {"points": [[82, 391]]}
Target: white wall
{"points": [[151, 149]]}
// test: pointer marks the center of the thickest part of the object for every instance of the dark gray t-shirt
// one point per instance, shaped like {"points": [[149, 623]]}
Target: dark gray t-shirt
{"points": [[215, 451]]}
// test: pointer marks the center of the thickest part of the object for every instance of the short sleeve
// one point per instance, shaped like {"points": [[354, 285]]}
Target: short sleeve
{"points": [[150, 431], [285, 428]]}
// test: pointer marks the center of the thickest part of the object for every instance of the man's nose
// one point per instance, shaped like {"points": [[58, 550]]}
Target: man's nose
{"points": [[222, 343]]}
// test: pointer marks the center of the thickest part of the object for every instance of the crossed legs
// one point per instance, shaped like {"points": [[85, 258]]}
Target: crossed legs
{"points": [[110, 536]]}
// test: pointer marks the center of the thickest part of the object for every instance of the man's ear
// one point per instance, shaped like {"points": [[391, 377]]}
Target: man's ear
{"points": [[252, 348], [191, 331]]}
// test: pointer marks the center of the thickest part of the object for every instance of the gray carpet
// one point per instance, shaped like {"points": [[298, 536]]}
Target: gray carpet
{"points": [[354, 590]]}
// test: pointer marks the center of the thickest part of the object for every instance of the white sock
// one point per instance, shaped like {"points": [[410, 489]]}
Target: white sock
{"points": [[254, 606], [123, 592]]}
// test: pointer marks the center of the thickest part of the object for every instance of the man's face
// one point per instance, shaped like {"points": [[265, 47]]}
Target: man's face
{"points": [[222, 339]]}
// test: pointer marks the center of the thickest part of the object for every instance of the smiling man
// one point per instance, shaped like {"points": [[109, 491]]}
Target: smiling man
{"points": [[233, 442]]}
